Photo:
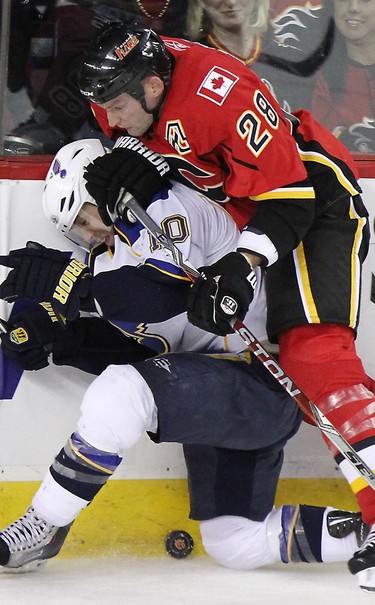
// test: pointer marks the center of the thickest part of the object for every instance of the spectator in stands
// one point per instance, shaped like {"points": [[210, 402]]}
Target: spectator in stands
{"points": [[344, 96], [53, 37], [284, 50], [233, 26], [46, 44], [166, 17]]}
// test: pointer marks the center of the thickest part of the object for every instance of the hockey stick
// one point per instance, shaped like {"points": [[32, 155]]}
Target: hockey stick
{"points": [[325, 425], [3, 326]]}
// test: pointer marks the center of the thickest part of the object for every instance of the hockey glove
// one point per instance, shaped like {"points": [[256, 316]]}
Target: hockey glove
{"points": [[222, 294], [46, 274], [130, 166], [30, 336]]}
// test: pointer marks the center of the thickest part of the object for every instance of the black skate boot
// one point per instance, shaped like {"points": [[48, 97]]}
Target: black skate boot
{"points": [[37, 136], [362, 563], [26, 543]]}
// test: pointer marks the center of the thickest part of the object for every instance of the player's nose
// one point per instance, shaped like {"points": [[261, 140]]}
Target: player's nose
{"points": [[112, 118]]}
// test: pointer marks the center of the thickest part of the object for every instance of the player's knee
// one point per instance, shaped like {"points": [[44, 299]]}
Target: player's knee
{"points": [[236, 542], [116, 409]]}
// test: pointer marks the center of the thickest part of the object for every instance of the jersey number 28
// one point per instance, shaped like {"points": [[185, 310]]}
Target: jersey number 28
{"points": [[250, 125]]}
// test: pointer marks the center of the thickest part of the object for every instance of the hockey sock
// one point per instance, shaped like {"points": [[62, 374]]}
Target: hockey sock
{"points": [[300, 538], [323, 362], [291, 533], [55, 504], [314, 534], [78, 472], [321, 359], [352, 412], [83, 469]]}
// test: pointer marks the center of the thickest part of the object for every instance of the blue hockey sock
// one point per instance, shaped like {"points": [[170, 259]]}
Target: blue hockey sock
{"points": [[83, 469]]}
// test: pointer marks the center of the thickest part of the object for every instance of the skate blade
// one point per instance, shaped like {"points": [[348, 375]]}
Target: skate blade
{"points": [[29, 567], [366, 579]]}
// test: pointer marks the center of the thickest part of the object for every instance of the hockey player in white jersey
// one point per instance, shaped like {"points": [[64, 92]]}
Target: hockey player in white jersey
{"points": [[200, 390]]}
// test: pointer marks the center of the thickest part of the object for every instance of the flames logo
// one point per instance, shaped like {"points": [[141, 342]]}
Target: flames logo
{"points": [[293, 22], [359, 137]]}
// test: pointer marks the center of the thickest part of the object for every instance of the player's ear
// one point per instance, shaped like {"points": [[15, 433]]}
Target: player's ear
{"points": [[154, 88]]}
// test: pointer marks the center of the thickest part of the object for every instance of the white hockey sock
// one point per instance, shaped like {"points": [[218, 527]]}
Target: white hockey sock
{"points": [[55, 504]]}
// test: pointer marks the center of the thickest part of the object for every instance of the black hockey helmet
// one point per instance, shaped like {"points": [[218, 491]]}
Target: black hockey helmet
{"points": [[119, 59]]}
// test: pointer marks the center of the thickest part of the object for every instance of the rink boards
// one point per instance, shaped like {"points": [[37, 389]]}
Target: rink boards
{"points": [[148, 496]]}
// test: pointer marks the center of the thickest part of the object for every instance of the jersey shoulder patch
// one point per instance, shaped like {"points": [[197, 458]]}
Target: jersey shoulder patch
{"points": [[217, 84]]}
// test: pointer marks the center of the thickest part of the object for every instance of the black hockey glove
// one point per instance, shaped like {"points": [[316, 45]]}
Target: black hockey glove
{"points": [[30, 336], [222, 294], [130, 166], [42, 274]]}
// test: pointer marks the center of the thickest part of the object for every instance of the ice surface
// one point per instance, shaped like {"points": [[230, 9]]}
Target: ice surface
{"points": [[193, 581]]}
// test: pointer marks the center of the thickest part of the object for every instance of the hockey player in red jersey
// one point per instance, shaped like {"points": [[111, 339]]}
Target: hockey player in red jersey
{"points": [[233, 424], [300, 210]]}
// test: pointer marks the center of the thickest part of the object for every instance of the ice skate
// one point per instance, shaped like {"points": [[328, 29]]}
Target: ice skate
{"points": [[26, 543], [362, 564], [35, 136]]}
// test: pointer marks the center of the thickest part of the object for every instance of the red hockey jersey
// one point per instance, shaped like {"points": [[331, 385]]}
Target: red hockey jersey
{"points": [[220, 128], [224, 134]]}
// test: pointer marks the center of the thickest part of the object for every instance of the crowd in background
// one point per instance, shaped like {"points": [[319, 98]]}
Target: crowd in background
{"points": [[316, 54]]}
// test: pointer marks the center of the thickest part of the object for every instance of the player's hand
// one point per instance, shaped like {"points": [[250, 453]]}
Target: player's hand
{"points": [[30, 336], [42, 274], [130, 166], [34, 272], [222, 294]]}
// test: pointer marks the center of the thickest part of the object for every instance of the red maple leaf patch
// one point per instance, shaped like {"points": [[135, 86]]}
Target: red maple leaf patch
{"points": [[217, 83]]}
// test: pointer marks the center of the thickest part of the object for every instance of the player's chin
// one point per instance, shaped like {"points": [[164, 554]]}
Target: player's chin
{"points": [[133, 131], [138, 129]]}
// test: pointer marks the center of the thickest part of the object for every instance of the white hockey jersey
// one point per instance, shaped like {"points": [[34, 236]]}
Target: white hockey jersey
{"points": [[138, 287]]}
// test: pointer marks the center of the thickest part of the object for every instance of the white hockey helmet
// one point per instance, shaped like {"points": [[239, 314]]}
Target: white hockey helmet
{"points": [[64, 191]]}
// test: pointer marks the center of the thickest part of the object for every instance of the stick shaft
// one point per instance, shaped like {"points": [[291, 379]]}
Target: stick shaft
{"points": [[3, 326]]}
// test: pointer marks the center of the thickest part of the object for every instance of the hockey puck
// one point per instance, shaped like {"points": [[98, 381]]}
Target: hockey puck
{"points": [[179, 544]]}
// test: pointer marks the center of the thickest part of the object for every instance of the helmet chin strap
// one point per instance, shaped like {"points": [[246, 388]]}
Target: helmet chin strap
{"points": [[154, 112], [142, 101]]}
